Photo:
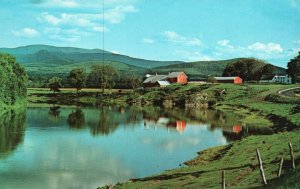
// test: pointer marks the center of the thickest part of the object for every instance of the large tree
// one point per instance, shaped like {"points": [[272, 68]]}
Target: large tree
{"points": [[103, 76], [13, 80], [294, 68], [77, 78], [54, 84], [247, 69]]}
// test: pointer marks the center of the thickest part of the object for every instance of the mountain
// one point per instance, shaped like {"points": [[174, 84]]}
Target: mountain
{"points": [[50, 60], [44, 54]]}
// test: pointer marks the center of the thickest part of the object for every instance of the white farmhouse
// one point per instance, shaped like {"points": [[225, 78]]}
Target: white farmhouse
{"points": [[277, 79]]}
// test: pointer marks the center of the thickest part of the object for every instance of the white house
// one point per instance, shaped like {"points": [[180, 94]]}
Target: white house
{"points": [[277, 79]]}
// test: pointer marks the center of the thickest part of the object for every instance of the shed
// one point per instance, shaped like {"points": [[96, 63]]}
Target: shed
{"points": [[235, 80]]}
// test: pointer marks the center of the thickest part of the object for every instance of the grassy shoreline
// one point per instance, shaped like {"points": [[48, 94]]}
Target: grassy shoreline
{"points": [[258, 104]]}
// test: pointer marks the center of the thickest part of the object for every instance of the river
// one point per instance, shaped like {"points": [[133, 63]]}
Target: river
{"points": [[83, 147]]}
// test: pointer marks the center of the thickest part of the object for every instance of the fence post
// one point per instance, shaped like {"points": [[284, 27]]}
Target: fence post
{"points": [[223, 180], [280, 167], [261, 167], [292, 155]]}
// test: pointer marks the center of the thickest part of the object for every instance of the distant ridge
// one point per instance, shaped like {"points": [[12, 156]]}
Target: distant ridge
{"points": [[51, 60]]}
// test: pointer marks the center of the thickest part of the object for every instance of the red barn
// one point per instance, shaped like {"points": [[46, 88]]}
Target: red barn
{"points": [[177, 77], [235, 80]]}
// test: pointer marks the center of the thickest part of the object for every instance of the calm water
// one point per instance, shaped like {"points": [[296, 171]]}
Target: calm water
{"points": [[90, 147]]}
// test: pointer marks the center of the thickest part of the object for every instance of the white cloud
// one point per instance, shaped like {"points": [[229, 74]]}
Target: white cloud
{"points": [[86, 21], [67, 35], [58, 3], [173, 37], [148, 41], [225, 43], [118, 13], [26, 32], [265, 51], [266, 48]]}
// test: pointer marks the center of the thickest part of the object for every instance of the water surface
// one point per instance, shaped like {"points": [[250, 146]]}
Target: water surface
{"points": [[68, 147]]}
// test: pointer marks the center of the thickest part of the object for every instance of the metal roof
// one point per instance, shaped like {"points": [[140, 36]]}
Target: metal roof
{"points": [[225, 78], [155, 78], [174, 74], [163, 83]]}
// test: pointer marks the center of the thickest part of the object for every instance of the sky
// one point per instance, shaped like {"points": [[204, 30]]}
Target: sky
{"points": [[186, 30]]}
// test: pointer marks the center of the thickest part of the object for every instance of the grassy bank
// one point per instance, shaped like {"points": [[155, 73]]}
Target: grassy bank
{"points": [[239, 162]]}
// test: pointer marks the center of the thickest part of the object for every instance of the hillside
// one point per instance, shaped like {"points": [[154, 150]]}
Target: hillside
{"points": [[203, 69], [44, 54]]}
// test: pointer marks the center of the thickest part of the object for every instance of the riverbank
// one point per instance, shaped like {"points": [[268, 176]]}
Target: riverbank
{"points": [[258, 104]]}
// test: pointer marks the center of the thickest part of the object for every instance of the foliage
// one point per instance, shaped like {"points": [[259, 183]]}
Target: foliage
{"points": [[103, 76], [294, 68], [247, 69], [212, 80], [54, 84], [13, 80], [76, 119], [77, 78]]}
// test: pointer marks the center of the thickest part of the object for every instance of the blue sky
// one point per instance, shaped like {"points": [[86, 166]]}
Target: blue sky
{"points": [[187, 30]]}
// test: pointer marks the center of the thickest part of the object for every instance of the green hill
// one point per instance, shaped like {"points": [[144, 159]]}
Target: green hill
{"points": [[203, 69], [50, 55]]}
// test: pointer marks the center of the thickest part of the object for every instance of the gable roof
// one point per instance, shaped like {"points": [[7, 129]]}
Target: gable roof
{"points": [[226, 78], [174, 74], [155, 78]]}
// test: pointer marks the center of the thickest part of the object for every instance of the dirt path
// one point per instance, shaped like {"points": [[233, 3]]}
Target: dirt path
{"points": [[289, 92]]}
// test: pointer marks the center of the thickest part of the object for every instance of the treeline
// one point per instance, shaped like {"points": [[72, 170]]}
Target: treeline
{"points": [[250, 69], [255, 70], [100, 76], [13, 80]]}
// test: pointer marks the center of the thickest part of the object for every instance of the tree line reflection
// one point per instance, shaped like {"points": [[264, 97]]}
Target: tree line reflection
{"points": [[12, 129], [106, 120]]}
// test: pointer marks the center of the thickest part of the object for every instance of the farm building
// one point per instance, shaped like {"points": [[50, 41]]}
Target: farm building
{"points": [[165, 80], [235, 80], [276, 79]]}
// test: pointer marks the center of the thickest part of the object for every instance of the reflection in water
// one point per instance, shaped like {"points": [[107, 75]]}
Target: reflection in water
{"points": [[76, 119], [54, 112], [12, 127]]}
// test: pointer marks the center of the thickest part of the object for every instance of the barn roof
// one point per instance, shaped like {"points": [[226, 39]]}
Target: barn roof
{"points": [[155, 78], [225, 78], [174, 74]]}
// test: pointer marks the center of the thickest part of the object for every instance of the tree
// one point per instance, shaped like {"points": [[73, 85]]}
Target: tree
{"points": [[54, 84], [268, 70], [77, 78], [13, 80], [294, 68], [104, 76], [247, 69], [133, 80]]}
